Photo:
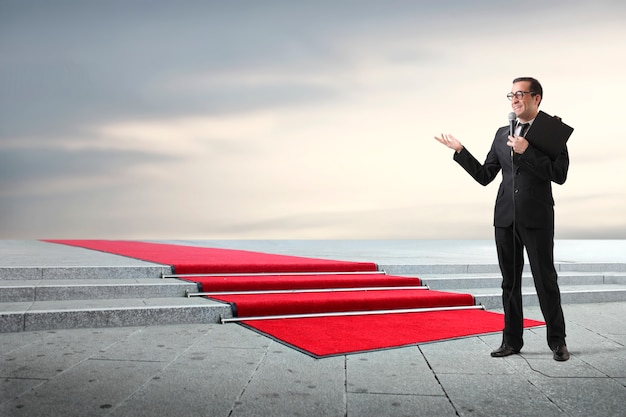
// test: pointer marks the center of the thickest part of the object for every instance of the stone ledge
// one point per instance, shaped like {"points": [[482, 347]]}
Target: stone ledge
{"points": [[15, 317], [83, 272]]}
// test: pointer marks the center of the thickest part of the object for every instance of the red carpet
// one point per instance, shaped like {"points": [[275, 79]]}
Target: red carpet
{"points": [[308, 281], [251, 305], [191, 259], [327, 336], [290, 285]]}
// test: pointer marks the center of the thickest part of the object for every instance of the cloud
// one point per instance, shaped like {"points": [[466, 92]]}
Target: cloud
{"points": [[55, 163], [82, 64], [288, 119]]}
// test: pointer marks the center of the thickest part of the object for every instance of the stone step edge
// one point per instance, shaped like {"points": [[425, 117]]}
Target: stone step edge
{"points": [[482, 281], [32, 307], [32, 319], [156, 271], [137, 302], [525, 274], [51, 290], [399, 269], [493, 300], [565, 289], [112, 281], [104, 282], [82, 272], [169, 288]]}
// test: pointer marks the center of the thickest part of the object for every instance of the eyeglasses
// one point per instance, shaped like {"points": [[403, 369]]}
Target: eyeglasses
{"points": [[519, 94]]}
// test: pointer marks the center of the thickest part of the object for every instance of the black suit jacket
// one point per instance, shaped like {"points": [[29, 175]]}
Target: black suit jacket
{"points": [[526, 188]]}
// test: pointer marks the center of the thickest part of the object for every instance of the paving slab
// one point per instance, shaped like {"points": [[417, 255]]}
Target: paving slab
{"points": [[207, 369], [285, 386], [391, 405], [92, 388], [498, 395], [389, 372], [472, 351]]}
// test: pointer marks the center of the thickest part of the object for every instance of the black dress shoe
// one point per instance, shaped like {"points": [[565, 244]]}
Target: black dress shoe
{"points": [[561, 353], [504, 350]]}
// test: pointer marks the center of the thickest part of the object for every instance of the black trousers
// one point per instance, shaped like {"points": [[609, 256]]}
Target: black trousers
{"points": [[539, 245]]}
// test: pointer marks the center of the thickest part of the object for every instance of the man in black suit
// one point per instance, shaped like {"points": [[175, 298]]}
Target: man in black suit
{"points": [[523, 218]]}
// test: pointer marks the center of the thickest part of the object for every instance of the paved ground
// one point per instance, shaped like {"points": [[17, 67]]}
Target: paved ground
{"points": [[228, 370]]}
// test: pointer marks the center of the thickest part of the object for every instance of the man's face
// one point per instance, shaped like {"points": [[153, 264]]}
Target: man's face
{"points": [[527, 107]]}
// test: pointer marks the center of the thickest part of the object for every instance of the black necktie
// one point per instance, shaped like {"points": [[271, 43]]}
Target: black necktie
{"points": [[524, 129]]}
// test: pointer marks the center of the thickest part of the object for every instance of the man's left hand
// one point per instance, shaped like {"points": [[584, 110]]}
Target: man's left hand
{"points": [[518, 144]]}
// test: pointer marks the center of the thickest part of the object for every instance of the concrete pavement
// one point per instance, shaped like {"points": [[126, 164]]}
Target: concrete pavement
{"points": [[228, 370]]}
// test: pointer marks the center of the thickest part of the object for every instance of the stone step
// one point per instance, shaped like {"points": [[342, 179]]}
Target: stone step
{"points": [[493, 280], [576, 287], [95, 313], [491, 298], [85, 289], [450, 268], [27, 273], [50, 315], [72, 297], [156, 271]]}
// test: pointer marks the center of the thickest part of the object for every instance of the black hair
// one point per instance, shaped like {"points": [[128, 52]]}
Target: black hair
{"points": [[535, 86]]}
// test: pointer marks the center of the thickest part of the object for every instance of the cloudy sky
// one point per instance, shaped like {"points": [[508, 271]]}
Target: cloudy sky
{"points": [[295, 119]]}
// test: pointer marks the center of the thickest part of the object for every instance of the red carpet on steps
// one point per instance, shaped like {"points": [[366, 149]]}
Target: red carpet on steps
{"points": [[249, 305], [297, 285], [302, 282]]}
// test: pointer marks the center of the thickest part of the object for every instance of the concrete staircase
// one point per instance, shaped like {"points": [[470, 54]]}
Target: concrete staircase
{"points": [[579, 283], [576, 287], [36, 299], [85, 297]]}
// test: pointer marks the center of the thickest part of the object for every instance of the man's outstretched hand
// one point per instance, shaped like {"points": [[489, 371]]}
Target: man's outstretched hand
{"points": [[450, 141]]}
